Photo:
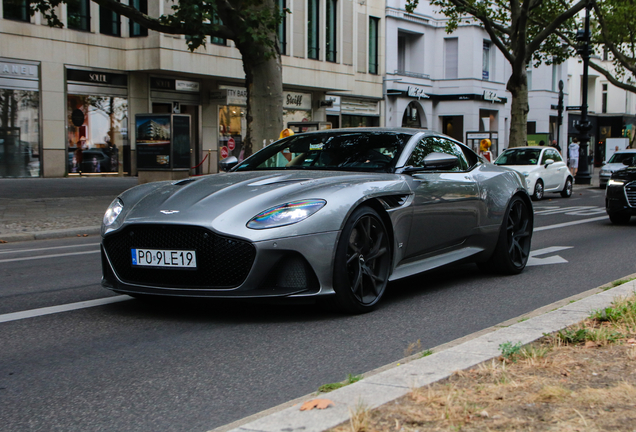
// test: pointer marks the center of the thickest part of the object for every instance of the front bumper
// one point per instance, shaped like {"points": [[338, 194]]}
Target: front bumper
{"points": [[617, 201], [294, 266]]}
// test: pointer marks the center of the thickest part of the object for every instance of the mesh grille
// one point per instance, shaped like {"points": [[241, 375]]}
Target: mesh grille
{"points": [[221, 262], [630, 191]]}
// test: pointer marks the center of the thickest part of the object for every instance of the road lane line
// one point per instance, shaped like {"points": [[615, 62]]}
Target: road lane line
{"points": [[566, 224], [46, 249], [14, 316], [47, 256]]}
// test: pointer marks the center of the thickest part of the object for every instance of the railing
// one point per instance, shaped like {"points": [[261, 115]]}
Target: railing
{"points": [[412, 74]]}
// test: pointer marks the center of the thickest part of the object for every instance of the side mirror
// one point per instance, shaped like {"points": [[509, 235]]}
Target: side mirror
{"points": [[435, 161], [548, 162], [228, 163]]}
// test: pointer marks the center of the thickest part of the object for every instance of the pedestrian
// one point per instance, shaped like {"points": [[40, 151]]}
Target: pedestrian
{"points": [[542, 143], [573, 156], [556, 145]]}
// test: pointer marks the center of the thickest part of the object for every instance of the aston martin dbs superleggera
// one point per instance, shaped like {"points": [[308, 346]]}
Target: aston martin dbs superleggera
{"points": [[336, 213]]}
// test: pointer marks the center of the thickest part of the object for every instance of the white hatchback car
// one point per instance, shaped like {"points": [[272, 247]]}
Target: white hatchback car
{"points": [[543, 168]]}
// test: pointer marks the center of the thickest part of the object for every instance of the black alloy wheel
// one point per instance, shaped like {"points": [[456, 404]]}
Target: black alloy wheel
{"points": [[567, 189], [513, 247], [363, 258], [537, 195]]}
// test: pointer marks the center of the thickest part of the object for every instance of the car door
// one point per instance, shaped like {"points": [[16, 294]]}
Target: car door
{"points": [[560, 167], [445, 204], [551, 174]]}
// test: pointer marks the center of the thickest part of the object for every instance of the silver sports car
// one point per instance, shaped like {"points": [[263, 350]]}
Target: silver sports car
{"points": [[335, 214]]}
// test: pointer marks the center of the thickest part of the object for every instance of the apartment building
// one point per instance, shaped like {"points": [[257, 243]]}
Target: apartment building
{"points": [[69, 96]]}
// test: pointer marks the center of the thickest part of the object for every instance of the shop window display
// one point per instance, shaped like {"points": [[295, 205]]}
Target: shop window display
{"points": [[19, 133], [232, 128], [97, 130]]}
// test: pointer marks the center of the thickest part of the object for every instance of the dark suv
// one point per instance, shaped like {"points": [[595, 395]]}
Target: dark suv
{"points": [[620, 195]]}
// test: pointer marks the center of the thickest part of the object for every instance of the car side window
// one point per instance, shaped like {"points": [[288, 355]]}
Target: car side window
{"points": [[430, 145], [545, 157], [556, 156]]}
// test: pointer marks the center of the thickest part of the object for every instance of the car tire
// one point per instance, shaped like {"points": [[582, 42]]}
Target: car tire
{"points": [[620, 218], [362, 262], [567, 189], [603, 186], [538, 193], [513, 245]]}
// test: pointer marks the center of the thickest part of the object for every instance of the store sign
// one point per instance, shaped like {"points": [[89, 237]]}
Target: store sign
{"points": [[418, 92], [299, 101], [335, 101], [190, 86], [480, 136], [360, 107], [491, 96], [18, 70], [93, 77], [233, 96]]}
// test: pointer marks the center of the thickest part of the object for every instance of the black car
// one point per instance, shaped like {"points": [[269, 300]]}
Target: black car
{"points": [[620, 195]]}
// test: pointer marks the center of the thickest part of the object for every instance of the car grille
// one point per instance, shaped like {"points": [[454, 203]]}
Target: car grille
{"points": [[222, 262], [630, 192]]}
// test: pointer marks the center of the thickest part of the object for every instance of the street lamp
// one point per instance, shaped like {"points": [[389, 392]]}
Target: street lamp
{"points": [[584, 126]]}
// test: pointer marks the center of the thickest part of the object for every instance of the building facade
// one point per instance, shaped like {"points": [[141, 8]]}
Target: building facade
{"points": [[69, 96]]}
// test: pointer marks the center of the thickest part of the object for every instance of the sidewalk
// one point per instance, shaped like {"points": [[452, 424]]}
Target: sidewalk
{"points": [[53, 208]]}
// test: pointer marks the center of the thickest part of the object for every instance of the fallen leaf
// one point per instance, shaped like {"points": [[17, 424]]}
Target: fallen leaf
{"points": [[85, 235], [483, 414], [3, 241], [316, 403], [630, 341], [590, 344], [565, 373]]}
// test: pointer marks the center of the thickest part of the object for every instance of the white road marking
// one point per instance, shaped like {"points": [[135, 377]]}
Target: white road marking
{"points": [[62, 308], [566, 224], [573, 211], [46, 249], [556, 259], [47, 256]]}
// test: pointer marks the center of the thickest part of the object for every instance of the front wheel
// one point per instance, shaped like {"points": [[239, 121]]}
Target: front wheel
{"points": [[513, 246], [567, 189], [362, 262], [537, 195], [620, 218]]}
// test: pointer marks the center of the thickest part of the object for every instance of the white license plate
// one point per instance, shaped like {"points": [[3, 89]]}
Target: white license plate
{"points": [[164, 258]]}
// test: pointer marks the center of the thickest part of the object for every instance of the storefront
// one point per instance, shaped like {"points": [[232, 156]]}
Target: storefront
{"points": [[359, 112], [179, 96], [20, 142], [97, 122]]}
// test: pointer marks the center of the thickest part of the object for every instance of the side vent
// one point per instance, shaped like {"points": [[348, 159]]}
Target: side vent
{"points": [[394, 201], [184, 182]]}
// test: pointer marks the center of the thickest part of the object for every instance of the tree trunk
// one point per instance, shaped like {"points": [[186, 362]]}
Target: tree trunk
{"points": [[264, 82], [519, 108]]}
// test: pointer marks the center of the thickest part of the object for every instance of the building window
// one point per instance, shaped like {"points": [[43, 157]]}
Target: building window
{"points": [[109, 22], [374, 27], [451, 58], [531, 127], [217, 40], [78, 15], [330, 44], [605, 54], [485, 68], [401, 54], [16, 10], [312, 29], [282, 26], [529, 78], [555, 77], [137, 30], [19, 133], [604, 100]]}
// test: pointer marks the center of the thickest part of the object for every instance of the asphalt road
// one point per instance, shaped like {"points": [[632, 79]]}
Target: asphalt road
{"points": [[195, 366]]}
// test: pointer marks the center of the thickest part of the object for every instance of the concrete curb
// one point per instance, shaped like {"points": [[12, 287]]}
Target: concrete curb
{"points": [[51, 234], [396, 382]]}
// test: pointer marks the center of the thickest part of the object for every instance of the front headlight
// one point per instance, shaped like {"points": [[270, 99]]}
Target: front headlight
{"points": [[613, 182], [286, 214], [605, 172], [114, 209], [526, 173]]}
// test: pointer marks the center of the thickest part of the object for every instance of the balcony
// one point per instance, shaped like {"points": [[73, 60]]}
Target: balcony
{"points": [[412, 74]]}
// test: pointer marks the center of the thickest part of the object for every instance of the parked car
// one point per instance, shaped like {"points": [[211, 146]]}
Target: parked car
{"points": [[620, 195], [334, 214], [614, 164], [542, 167]]}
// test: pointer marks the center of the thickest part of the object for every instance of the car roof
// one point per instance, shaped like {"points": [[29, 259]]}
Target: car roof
{"points": [[626, 151], [531, 147], [411, 131]]}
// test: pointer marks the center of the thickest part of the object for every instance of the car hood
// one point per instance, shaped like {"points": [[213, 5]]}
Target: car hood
{"points": [[226, 202], [613, 167]]}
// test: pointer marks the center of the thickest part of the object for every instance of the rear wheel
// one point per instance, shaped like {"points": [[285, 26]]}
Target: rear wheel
{"points": [[513, 246], [567, 189], [363, 258], [538, 191], [620, 218]]}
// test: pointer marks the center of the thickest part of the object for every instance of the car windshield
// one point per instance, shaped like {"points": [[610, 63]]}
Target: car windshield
{"points": [[519, 157], [621, 157], [348, 151]]}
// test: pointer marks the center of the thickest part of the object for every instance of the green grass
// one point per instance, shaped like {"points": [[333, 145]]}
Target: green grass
{"points": [[426, 353], [326, 388], [510, 351]]}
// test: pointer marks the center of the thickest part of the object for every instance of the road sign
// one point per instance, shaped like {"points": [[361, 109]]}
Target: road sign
{"points": [[231, 144], [554, 107], [224, 152], [573, 108]]}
